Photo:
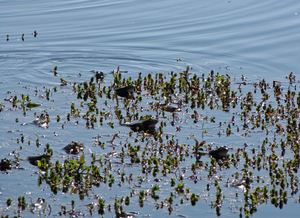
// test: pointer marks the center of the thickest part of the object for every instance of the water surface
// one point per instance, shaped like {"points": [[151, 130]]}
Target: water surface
{"points": [[255, 39]]}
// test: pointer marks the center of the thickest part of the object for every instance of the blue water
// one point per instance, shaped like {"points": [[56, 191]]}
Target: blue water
{"points": [[257, 39], [253, 38]]}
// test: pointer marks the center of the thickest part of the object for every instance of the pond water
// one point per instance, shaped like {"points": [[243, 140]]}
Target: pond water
{"points": [[248, 40]]}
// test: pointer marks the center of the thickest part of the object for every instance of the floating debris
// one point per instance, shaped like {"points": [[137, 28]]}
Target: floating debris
{"points": [[5, 164], [99, 76], [168, 108], [240, 183], [34, 159], [219, 153], [126, 91], [144, 125], [118, 71], [40, 206], [74, 148], [42, 120]]}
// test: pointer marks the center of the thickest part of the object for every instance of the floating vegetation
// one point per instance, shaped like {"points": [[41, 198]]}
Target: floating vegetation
{"points": [[42, 120], [169, 108], [22, 36], [74, 148], [175, 152], [32, 105]]}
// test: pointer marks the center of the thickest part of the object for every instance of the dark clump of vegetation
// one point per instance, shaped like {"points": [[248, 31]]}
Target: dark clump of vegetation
{"points": [[74, 148]]}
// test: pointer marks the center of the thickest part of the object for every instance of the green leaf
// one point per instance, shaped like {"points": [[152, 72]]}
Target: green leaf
{"points": [[86, 167], [81, 162], [74, 162], [197, 143], [32, 105], [39, 164]]}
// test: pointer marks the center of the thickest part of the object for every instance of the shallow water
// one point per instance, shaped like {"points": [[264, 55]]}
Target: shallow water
{"points": [[255, 39]]}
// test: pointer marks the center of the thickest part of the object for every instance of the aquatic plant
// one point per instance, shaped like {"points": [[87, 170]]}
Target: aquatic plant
{"points": [[166, 112]]}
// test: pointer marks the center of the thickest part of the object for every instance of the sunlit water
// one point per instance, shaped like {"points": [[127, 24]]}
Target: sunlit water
{"points": [[257, 39]]}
